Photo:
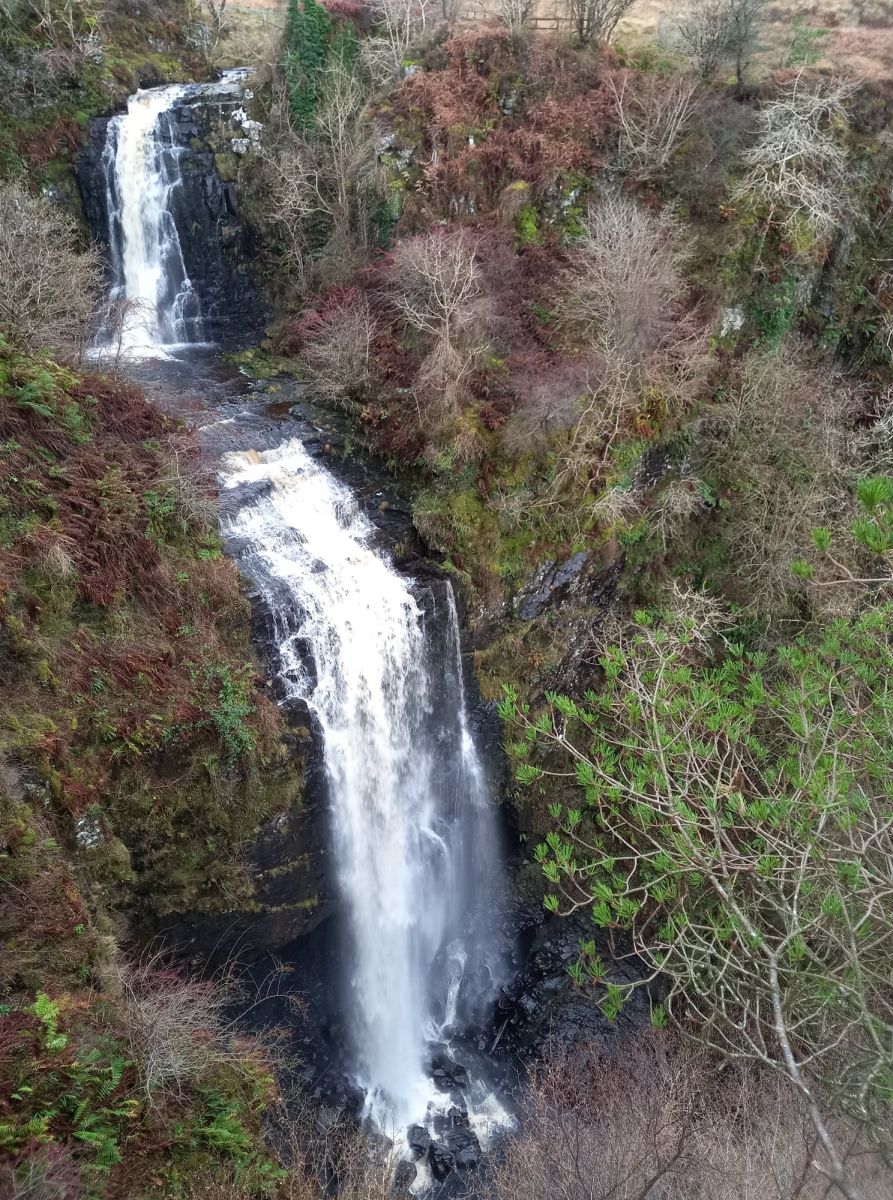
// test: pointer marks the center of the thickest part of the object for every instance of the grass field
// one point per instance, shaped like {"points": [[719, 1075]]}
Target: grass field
{"points": [[859, 32]]}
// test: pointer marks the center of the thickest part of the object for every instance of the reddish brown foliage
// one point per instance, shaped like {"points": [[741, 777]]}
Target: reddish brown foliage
{"points": [[321, 311], [493, 117], [96, 490], [62, 139]]}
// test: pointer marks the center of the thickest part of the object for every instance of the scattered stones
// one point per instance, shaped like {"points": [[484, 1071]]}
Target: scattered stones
{"points": [[88, 832]]}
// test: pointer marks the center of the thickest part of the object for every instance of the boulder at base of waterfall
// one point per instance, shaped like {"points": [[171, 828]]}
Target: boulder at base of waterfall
{"points": [[418, 1139], [447, 1074], [464, 1147], [404, 1177], [440, 1160]]}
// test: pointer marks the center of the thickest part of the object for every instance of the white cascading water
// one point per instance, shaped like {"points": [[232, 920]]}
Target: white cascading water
{"points": [[152, 303], [415, 837]]}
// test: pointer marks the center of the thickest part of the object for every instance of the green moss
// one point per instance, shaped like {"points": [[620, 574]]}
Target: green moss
{"points": [[527, 225]]}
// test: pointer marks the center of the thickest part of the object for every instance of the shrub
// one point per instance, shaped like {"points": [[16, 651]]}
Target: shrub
{"points": [[337, 345], [174, 1027], [797, 165], [651, 1118], [625, 278], [779, 442], [654, 118], [48, 288]]}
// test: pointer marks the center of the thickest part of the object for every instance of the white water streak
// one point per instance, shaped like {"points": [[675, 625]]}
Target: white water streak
{"points": [[414, 834]]}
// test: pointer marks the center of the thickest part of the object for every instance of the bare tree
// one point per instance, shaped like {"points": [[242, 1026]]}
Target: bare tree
{"points": [[702, 28], [436, 279], [621, 293], [514, 15], [397, 26], [654, 119], [596, 20], [339, 352], [744, 21], [215, 11], [712, 32], [436, 283], [625, 278], [326, 177], [797, 165], [48, 287]]}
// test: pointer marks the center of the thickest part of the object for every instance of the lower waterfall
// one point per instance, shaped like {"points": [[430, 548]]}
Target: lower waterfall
{"points": [[416, 853]]}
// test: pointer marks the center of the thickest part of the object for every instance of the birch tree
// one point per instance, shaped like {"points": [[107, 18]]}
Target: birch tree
{"points": [[596, 20]]}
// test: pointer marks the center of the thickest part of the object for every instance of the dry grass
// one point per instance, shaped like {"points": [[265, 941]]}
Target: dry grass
{"points": [[860, 35], [654, 1119], [860, 38]]}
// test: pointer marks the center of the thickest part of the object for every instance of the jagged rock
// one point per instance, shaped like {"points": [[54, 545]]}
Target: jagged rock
{"points": [[419, 1140], [464, 1147], [440, 1160], [547, 584], [448, 1075], [542, 1011]]}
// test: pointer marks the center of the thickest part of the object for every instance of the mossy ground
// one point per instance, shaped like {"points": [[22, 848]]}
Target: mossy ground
{"points": [[138, 758]]}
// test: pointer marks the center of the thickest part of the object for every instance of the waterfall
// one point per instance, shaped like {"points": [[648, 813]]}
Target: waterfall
{"points": [[378, 661], [152, 303]]}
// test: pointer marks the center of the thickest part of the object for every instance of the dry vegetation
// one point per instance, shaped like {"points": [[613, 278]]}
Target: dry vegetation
{"points": [[655, 1119], [48, 285], [782, 436]]}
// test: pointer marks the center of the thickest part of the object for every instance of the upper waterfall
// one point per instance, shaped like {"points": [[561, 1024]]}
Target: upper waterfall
{"points": [[415, 836], [152, 303], [176, 248]]}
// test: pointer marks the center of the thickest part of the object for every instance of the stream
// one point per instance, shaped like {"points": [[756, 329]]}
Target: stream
{"points": [[407, 986]]}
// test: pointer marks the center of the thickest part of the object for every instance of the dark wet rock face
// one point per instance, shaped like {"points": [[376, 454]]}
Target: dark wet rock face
{"points": [[552, 581], [458, 1149], [418, 1139], [542, 1012], [440, 1160], [217, 244], [448, 1075], [583, 579]]}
